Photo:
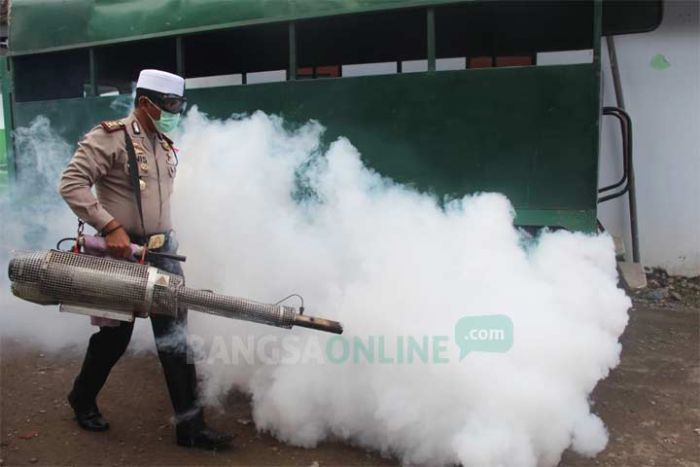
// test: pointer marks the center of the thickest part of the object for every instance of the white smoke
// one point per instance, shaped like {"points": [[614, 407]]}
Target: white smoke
{"points": [[33, 216], [263, 211]]}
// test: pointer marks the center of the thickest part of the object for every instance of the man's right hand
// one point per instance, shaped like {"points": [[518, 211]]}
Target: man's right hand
{"points": [[117, 241]]}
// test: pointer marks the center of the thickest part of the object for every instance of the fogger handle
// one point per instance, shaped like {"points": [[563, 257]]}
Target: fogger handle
{"points": [[97, 246]]}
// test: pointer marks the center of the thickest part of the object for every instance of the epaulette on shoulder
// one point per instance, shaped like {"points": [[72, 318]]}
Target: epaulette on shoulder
{"points": [[111, 126]]}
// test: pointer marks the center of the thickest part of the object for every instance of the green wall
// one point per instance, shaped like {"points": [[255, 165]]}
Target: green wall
{"points": [[528, 132]]}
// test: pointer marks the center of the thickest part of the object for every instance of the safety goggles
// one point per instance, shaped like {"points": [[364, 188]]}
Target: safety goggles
{"points": [[170, 103]]}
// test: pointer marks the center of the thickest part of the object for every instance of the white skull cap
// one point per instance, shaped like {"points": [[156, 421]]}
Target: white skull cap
{"points": [[161, 81]]}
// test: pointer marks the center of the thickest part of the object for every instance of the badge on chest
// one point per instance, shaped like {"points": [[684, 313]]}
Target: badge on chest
{"points": [[141, 159]]}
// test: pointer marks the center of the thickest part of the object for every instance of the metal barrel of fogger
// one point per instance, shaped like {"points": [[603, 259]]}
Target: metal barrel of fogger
{"points": [[53, 277], [248, 310]]}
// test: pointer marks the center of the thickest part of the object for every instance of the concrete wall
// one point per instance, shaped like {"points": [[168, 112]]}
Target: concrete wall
{"points": [[660, 74]]}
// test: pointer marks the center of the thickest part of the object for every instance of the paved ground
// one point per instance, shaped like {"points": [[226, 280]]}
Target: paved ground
{"points": [[651, 401], [650, 404]]}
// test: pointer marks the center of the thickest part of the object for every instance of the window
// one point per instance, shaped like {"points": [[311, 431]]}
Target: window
{"points": [[118, 66], [512, 28], [248, 50], [468, 35], [58, 75], [363, 44]]}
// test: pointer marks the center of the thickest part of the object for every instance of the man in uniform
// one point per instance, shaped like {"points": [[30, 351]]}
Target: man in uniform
{"points": [[102, 160]]}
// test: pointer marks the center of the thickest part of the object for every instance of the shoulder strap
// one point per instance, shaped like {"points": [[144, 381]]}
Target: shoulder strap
{"points": [[134, 175], [111, 126]]}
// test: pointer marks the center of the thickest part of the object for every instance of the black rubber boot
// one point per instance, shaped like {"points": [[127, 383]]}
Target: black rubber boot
{"points": [[88, 418], [205, 439], [193, 433]]}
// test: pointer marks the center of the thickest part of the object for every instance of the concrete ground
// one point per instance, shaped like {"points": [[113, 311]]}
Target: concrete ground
{"points": [[650, 405]]}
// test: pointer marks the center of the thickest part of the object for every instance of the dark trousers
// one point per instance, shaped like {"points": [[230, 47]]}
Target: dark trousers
{"points": [[108, 344]]}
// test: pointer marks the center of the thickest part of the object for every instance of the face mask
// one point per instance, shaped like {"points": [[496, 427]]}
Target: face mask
{"points": [[167, 121]]}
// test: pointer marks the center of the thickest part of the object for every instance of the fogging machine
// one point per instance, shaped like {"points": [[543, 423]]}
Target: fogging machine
{"points": [[93, 284]]}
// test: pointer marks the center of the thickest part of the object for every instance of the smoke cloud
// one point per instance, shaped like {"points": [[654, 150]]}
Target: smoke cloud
{"points": [[35, 217], [263, 210]]}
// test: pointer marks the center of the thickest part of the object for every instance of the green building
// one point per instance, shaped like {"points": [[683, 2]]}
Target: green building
{"points": [[499, 119]]}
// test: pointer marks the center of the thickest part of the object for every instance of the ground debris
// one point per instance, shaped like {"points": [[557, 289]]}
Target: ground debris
{"points": [[667, 290]]}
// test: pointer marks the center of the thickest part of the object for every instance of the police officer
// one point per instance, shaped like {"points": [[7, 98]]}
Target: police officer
{"points": [[102, 159]]}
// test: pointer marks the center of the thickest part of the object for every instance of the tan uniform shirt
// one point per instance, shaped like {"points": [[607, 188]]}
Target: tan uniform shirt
{"points": [[101, 160]]}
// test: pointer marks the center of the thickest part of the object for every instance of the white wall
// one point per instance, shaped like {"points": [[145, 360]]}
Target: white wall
{"points": [[665, 106]]}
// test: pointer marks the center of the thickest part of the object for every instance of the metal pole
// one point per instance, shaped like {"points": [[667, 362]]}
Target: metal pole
{"points": [[93, 72], [620, 100], [431, 38], [8, 103], [612, 53], [597, 29], [180, 56], [292, 51]]}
